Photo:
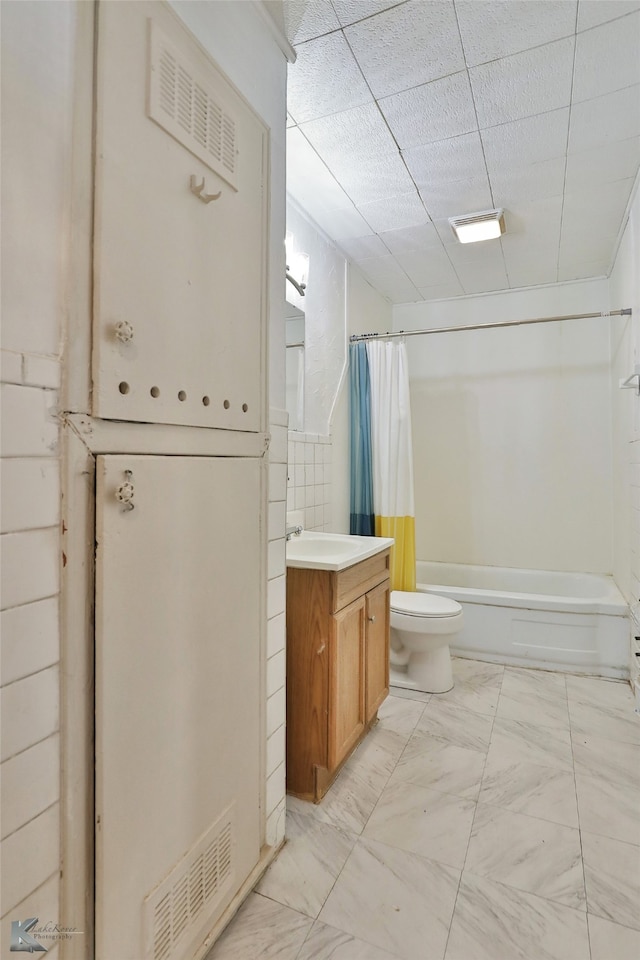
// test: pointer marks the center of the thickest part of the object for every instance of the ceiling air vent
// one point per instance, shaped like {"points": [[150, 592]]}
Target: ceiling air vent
{"points": [[486, 225], [190, 108]]}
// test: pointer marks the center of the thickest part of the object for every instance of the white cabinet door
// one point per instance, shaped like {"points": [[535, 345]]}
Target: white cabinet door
{"points": [[180, 283], [178, 697]]}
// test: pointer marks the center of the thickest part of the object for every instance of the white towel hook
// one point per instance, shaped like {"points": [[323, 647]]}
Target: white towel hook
{"points": [[198, 188]]}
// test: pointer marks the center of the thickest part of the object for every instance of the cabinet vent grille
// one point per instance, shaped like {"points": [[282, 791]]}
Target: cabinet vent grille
{"points": [[189, 109], [178, 907]]}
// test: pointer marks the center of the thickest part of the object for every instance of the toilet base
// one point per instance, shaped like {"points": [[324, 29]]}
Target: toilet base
{"points": [[429, 672]]}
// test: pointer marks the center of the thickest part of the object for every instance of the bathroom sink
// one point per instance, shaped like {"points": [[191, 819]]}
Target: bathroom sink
{"points": [[332, 551]]}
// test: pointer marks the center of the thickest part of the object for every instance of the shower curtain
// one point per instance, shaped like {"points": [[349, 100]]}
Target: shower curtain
{"points": [[380, 395], [362, 519]]}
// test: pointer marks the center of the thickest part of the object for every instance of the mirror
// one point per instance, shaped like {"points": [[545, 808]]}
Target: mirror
{"points": [[294, 334]]}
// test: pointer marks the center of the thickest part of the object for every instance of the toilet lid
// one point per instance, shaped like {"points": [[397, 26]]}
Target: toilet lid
{"points": [[423, 604]]}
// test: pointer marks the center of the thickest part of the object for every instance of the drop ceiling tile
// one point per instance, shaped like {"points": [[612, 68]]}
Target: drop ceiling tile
{"points": [[578, 245], [442, 291], [538, 242], [524, 84], [458, 158], [305, 19], [480, 278], [602, 208], [407, 239], [593, 12], [532, 182], [374, 178], [446, 234], [290, 121], [533, 220], [529, 253], [394, 213], [583, 271], [350, 137], [324, 79], [434, 111], [458, 199], [597, 122], [531, 140], [385, 267], [532, 273], [363, 248], [307, 176], [491, 30], [428, 267], [407, 45], [488, 252], [349, 11], [399, 291], [614, 161], [340, 223], [520, 250], [426, 274], [607, 58]]}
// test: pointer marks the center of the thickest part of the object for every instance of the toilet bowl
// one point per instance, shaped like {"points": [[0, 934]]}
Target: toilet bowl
{"points": [[422, 627]]}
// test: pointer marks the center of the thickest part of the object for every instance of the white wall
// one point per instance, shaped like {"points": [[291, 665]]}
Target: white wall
{"points": [[37, 87], [624, 286], [324, 310], [512, 432]]}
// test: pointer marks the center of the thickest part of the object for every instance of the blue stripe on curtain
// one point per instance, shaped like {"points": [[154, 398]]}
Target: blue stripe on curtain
{"points": [[361, 517]]}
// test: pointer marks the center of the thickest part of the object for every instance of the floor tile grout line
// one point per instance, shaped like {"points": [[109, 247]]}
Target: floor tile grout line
{"points": [[386, 783], [475, 812], [529, 893], [581, 830], [359, 835], [575, 787], [531, 816]]}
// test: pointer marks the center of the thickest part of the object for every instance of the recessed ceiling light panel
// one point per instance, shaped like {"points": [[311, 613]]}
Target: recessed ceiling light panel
{"points": [[487, 225]]}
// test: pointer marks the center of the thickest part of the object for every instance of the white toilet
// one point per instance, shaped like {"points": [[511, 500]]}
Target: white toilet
{"points": [[422, 627]]}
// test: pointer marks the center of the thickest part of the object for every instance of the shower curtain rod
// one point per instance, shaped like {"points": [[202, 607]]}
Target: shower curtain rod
{"points": [[485, 326]]}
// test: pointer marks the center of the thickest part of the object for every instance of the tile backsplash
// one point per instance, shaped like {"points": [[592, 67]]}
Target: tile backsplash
{"points": [[309, 478]]}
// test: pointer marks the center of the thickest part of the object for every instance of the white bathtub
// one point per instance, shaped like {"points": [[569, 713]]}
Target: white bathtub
{"points": [[576, 622]]}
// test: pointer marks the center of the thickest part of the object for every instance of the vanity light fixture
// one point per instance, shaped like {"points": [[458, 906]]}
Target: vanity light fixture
{"points": [[300, 287], [297, 266], [486, 225]]}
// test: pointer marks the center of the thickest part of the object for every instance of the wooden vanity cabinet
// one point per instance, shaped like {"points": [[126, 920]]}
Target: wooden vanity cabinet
{"points": [[337, 667]]}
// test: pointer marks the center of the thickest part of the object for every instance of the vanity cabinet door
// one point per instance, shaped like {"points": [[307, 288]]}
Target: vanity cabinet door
{"points": [[377, 648], [346, 680]]}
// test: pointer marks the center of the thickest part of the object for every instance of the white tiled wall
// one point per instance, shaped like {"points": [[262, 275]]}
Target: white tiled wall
{"points": [[276, 629], [30, 690], [309, 479]]}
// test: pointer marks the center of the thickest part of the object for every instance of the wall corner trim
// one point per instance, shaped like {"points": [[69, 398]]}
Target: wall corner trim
{"points": [[276, 33]]}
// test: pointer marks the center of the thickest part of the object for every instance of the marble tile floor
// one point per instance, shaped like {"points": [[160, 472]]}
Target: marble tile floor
{"points": [[500, 821]]}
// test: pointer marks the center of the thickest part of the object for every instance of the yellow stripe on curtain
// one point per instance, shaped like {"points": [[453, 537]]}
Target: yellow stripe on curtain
{"points": [[403, 552]]}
